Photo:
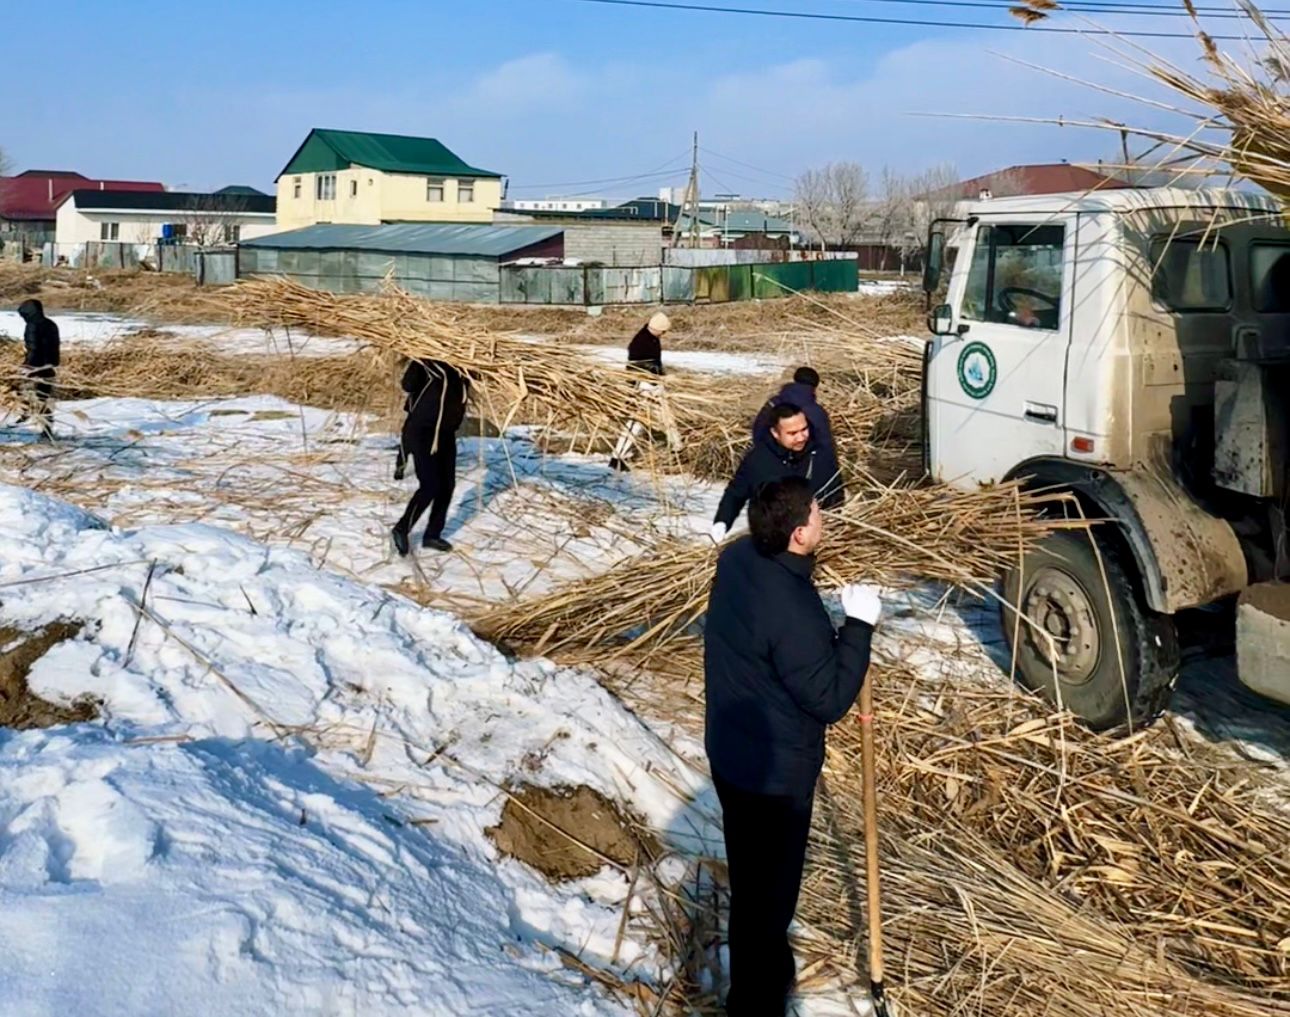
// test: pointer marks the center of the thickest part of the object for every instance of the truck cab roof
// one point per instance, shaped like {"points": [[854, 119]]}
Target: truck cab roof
{"points": [[1124, 201]]}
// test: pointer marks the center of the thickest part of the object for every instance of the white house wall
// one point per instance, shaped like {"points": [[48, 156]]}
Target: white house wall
{"points": [[77, 226]]}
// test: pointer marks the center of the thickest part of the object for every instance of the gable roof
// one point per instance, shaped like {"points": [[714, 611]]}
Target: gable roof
{"points": [[241, 189], [480, 239], [36, 195], [173, 201], [325, 150], [1041, 178]]}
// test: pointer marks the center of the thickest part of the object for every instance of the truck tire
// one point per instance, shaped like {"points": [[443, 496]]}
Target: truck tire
{"points": [[1084, 598]]}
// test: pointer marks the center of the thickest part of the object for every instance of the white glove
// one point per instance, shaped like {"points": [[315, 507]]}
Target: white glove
{"points": [[862, 602], [718, 532]]}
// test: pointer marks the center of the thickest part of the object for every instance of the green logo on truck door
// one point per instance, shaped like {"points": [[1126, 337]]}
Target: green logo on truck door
{"points": [[977, 370]]}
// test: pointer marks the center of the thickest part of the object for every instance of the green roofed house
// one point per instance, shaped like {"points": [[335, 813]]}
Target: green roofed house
{"points": [[358, 178]]}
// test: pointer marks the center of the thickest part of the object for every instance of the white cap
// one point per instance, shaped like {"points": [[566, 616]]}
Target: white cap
{"points": [[659, 323]]}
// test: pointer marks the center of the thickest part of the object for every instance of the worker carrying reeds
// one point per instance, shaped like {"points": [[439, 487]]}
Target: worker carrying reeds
{"points": [[803, 392], [645, 354], [40, 361], [787, 449], [776, 674], [437, 394]]}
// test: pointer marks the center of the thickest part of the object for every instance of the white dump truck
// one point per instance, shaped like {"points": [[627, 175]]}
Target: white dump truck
{"points": [[1132, 348]]}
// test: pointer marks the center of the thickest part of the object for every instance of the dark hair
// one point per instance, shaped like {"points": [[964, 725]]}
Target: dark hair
{"points": [[776, 510], [782, 411], [807, 376]]}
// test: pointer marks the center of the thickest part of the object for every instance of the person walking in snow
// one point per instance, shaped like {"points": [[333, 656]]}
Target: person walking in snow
{"points": [[645, 354], [40, 361], [802, 392], [437, 394], [776, 674], [787, 450]]}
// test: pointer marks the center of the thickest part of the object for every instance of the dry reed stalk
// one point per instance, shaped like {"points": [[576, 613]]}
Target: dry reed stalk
{"points": [[890, 535]]}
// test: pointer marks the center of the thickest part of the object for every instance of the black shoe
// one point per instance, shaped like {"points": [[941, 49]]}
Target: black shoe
{"points": [[619, 465], [400, 539], [399, 473], [436, 544]]}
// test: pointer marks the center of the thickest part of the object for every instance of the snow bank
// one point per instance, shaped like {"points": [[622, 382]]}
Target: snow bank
{"points": [[284, 806]]}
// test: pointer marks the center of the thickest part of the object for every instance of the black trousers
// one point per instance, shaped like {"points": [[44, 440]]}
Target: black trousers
{"points": [[765, 851], [436, 480]]}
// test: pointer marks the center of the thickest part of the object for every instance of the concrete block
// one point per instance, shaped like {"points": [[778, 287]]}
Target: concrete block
{"points": [[1263, 639]]}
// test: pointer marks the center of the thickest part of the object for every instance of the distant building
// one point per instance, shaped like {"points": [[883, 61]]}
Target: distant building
{"points": [[358, 178], [1041, 178], [555, 204], [29, 201], [144, 217]]}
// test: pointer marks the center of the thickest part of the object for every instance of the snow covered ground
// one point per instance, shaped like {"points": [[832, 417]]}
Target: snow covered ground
{"points": [[94, 330], [283, 807]]}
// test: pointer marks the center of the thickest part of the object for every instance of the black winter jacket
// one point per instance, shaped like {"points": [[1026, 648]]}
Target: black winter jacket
{"points": [[776, 673], [40, 336], [645, 352], [767, 461], [826, 456], [436, 403]]}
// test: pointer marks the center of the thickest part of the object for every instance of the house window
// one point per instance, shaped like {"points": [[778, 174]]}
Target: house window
{"points": [[353, 188], [110, 231], [434, 189], [1016, 276], [465, 191], [1191, 275], [233, 234], [295, 187], [179, 231], [325, 187]]}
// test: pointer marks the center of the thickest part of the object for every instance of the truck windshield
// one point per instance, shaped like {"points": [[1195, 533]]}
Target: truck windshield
{"points": [[1270, 277], [1016, 276]]}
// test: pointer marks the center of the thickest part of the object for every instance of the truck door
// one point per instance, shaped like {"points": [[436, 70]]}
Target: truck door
{"points": [[996, 383]]}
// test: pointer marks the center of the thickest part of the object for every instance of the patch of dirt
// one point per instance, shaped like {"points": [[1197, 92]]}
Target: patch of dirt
{"points": [[21, 708], [546, 827]]}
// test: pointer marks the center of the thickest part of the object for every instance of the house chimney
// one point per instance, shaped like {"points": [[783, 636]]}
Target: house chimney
{"points": [[101, 186], [50, 181]]}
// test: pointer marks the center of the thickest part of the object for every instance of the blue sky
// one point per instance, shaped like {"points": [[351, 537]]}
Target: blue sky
{"points": [[549, 92]]}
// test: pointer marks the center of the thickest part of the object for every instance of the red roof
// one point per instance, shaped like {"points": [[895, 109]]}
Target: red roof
{"points": [[1044, 178], [36, 194]]}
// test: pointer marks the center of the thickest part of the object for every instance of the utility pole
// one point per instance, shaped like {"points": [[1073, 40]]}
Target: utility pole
{"points": [[691, 201]]}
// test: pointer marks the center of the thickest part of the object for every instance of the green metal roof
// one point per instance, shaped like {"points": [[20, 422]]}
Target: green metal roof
{"points": [[481, 240], [325, 151]]}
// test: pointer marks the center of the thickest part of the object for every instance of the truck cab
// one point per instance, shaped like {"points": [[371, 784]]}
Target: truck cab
{"points": [[1131, 348]]}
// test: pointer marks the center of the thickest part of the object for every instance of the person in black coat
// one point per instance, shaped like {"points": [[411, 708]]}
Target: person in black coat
{"points": [[776, 674], [41, 359], [801, 392], [786, 451], [645, 354], [437, 394]]}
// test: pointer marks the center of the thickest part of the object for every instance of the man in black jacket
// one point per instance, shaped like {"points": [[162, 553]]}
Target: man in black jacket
{"points": [[801, 392], [437, 394], [43, 349], [776, 674], [787, 450]]}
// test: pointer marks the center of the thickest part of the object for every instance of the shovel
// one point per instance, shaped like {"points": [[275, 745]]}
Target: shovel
{"points": [[876, 991]]}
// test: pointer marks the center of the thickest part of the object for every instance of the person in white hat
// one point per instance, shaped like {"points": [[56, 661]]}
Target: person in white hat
{"points": [[645, 353]]}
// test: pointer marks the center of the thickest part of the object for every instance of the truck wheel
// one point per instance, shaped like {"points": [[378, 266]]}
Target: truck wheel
{"points": [[1083, 605]]}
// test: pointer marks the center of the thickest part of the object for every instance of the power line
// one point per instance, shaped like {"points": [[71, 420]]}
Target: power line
{"points": [[747, 165], [661, 169], [867, 20]]}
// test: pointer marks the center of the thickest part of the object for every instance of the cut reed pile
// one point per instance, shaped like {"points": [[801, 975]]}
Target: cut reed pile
{"points": [[891, 535], [1028, 865], [510, 374], [101, 289], [1033, 867]]}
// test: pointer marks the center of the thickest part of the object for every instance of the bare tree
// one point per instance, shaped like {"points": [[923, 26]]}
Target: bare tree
{"points": [[6, 164], [832, 202], [933, 194], [208, 219], [811, 201]]}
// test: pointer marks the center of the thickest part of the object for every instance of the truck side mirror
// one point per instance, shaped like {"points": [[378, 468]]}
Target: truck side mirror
{"points": [[935, 262], [941, 320]]}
